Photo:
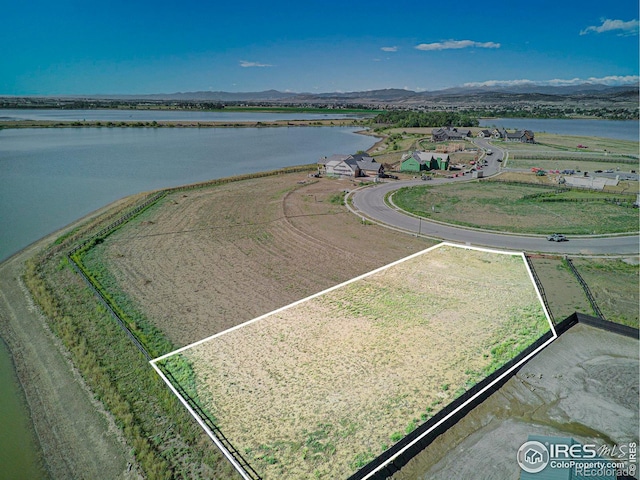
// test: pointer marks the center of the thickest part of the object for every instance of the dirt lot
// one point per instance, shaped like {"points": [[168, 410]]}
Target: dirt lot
{"points": [[209, 259], [322, 387], [584, 385], [215, 258]]}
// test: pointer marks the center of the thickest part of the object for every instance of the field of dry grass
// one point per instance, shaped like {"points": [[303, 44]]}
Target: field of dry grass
{"points": [[519, 208], [320, 388], [203, 261], [614, 285]]}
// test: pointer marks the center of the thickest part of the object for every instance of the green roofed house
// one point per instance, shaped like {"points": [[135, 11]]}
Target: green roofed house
{"points": [[422, 161], [549, 458]]}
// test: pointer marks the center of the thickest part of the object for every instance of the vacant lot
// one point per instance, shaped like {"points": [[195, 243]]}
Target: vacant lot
{"points": [[320, 388], [557, 152], [564, 293], [203, 261], [614, 282], [569, 143], [614, 285], [518, 208]]}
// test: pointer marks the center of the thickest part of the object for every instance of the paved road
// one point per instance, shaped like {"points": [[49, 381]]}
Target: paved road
{"points": [[369, 202]]}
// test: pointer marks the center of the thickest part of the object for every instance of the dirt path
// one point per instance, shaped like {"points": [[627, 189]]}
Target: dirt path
{"points": [[77, 437]]}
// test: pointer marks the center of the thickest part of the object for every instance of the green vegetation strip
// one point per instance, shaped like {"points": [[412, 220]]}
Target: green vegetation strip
{"points": [[519, 208], [164, 439]]}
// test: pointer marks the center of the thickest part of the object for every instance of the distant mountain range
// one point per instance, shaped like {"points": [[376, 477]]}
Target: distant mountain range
{"points": [[402, 96]]}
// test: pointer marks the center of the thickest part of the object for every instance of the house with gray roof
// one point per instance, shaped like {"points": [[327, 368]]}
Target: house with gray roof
{"points": [[359, 165], [523, 136], [444, 134]]}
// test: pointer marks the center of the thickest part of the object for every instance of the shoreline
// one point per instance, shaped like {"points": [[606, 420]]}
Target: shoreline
{"points": [[47, 380], [8, 124]]}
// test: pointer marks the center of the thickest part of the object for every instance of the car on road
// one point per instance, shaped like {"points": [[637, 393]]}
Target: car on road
{"points": [[489, 152], [557, 237]]}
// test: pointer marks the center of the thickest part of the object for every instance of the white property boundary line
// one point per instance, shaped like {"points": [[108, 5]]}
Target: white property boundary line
{"points": [[228, 454]]}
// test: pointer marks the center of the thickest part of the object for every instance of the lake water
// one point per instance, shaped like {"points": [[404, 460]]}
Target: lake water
{"points": [[161, 115], [18, 454], [618, 129], [51, 177]]}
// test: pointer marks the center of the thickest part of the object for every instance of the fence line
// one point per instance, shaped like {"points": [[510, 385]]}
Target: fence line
{"points": [[106, 304], [585, 287], [572, 158], [89, 242], [248, 469], [540, 288]]}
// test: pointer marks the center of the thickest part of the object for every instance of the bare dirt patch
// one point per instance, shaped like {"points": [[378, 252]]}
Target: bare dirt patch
{"points": [[320, 388], [206, 260]]}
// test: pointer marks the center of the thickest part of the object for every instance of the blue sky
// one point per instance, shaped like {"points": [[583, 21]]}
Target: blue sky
{"points": [[118, 47]]}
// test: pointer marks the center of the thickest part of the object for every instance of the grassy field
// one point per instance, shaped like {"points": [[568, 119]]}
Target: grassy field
{"points": [[520, 208], [569, 143], [561, 152], [614, 285], [163, 440], [199, 262], [205, 260], [564, 293], [319, 389]]}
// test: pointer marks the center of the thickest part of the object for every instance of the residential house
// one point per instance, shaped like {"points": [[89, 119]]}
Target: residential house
{"points": [[485, 134], [359, 165], [368, 166], [524, 136], [423, 161], [497, 133], [444, 134]]}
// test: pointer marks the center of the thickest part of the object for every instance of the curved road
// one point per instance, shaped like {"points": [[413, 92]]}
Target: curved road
{"points": [[369, 202]]}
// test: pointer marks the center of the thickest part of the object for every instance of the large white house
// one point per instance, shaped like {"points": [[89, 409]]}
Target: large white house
{"points": [[360, 165]]}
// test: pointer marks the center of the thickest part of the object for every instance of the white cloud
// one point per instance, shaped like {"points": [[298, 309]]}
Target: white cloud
{"points": [[244, 63], [608, 25], [611, 80], [456, 44], [389, 49]]}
